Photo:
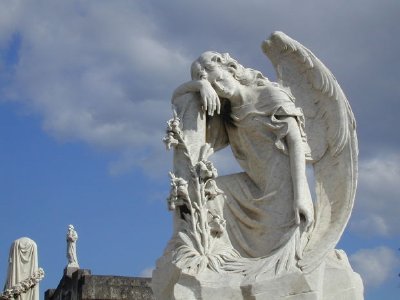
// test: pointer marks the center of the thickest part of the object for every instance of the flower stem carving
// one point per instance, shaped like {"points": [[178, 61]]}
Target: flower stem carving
{"points": [[197, 244]]}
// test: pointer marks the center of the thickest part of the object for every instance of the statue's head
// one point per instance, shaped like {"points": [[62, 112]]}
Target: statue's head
{"points": [[211, 61]]}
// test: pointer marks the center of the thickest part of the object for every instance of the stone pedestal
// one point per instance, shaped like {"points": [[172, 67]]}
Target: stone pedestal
{"points": [[68, 271], [332, 280]]}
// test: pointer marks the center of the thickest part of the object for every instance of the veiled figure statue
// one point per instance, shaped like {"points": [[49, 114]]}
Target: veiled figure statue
{"points": [[260, 227], [23, 272]]}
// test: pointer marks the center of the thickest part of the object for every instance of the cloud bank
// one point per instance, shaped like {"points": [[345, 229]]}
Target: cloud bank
{"points": [[95, 72], [102, 72], [377, 204], [375, 265]]}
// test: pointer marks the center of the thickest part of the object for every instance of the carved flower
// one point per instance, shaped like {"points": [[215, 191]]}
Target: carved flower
{"points": [[8, 294], [170, 140], [173, 133], [179, 192], [23, 286], [217, 226], [173, 125], [211, 190], [173, 202], [206, 170]]}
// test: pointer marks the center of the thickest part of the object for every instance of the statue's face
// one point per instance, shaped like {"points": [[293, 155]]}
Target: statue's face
{"points": [[223, 82], [227, 86], [219, 69]]}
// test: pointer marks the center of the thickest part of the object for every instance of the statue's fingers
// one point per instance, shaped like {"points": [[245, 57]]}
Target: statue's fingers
{"points": [[297, 216], [218, 105], [309, 222], [213, 106], [210, 107], [204, 103]]}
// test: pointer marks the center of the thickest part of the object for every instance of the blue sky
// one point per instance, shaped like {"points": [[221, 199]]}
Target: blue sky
{"points": [[85, 92]]}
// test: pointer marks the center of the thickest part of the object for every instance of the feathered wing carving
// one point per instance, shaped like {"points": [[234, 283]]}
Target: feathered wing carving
{"points": [[331, 134]]}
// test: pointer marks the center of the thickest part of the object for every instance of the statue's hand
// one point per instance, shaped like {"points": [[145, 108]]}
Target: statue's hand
{"points": [[304, 211], [209, 98]]}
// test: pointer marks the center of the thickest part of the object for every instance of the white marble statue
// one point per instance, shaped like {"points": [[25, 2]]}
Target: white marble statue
{"points": [[23, 273], [259, 234], [72, 237]]}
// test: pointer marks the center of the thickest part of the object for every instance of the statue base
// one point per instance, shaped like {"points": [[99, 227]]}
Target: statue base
{"points": [[68, 271], [334, 279]]}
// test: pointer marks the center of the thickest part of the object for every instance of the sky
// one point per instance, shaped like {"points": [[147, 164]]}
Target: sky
{"points": [[85, 90]]}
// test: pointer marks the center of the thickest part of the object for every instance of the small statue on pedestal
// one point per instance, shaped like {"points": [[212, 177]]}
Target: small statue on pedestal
{"points": [[72, 237]]}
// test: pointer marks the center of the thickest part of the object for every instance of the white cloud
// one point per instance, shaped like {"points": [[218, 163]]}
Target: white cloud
{"points": [[147, 272], [96, 72], [377, 206], [370, 224], [375, 265]]}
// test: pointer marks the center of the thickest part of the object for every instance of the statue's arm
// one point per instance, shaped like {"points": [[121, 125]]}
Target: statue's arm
{"points": [[302, 198], [209, 98], [72, 237]]}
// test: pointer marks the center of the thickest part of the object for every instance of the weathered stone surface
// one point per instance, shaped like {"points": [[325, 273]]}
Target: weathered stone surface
{"points": [[332, 280], [69, 286], [116, 287], [82, 285]]}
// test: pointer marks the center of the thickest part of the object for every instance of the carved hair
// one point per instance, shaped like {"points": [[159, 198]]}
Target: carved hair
{"points": [[210, 61]]}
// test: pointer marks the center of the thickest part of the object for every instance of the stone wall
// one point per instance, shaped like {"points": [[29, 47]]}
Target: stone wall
{"points": [[81, 285]]}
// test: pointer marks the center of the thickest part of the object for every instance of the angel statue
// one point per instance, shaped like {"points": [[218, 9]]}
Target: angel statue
{"points": [[274, 240]]}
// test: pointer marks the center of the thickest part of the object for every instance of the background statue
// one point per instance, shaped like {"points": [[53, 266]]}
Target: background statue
{"points": [[72, 237], [23, 272], [269, 226]]}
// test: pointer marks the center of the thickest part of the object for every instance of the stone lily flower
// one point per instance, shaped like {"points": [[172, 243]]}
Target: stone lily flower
{"points": [[170, 140], [217, 226], [206, 170], [211, 190], [173, 125], [173, 133], [179, 192]]}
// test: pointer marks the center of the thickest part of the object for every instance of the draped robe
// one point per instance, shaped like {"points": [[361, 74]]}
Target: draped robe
{"points": [[258, 203], [23, 263]]}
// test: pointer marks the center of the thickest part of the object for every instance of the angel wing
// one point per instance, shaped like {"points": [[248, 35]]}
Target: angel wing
{"points": [[331, 134]]}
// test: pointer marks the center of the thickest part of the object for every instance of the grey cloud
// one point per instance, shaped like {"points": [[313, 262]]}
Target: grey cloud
{"points": [[357, 40]]}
